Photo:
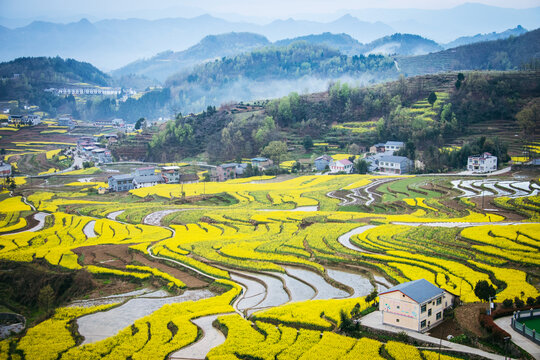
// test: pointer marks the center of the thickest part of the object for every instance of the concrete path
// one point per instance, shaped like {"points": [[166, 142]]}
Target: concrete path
{"points": [[518, 339], [374, 320], [210, 339]]}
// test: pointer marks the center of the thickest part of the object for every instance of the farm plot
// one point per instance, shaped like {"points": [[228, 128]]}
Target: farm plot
{"points": [[282, 269]]}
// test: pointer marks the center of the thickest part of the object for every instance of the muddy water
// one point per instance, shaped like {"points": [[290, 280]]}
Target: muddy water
{"points": [[101, 325], [359, 283], [89, 229], [324, 289], [255, 292]]}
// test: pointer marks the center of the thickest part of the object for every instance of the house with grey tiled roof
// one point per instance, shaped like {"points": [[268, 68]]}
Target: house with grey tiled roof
{"points": [[415, 305], [390, 164]]}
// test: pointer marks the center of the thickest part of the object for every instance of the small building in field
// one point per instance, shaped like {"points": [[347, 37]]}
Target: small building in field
{"points": [[343, 165], [121, 182], [66, 120], [482, 163], [225, 172], [189, 178], [101, 155], [171, 174], [416, 305], [322, 162], [147, 181], [261, 162], [5, 169], [390, 164]]}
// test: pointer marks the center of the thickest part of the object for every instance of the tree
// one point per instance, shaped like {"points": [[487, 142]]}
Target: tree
{"points": [[372, 296], [432, 98], [361, 166], [528, 118], [275, 151], [484, 290], [354, 149], [139, 123], [46, 297], [11, 184], [307, 142]]}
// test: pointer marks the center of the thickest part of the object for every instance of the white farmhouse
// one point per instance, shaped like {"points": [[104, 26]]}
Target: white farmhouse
{"points": [[482, 163], [343, 165]]}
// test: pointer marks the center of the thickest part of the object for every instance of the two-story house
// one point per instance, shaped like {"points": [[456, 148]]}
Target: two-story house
{"points": [[343, 165], [121, 182], [390, 164], [482, 163], [416, 305]]}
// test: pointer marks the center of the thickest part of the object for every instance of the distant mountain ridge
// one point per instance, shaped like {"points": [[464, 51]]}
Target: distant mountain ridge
{"points": [[507, 54], [163, 65], [465, 40], [113, 43], [402, 44], [216, 46], [110, 44]]}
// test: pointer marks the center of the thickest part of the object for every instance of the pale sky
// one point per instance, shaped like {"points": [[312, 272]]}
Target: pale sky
{"points": [[269, 9]]}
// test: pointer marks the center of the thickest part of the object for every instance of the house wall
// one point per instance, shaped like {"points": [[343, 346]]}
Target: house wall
{"points": [[399, 310]]}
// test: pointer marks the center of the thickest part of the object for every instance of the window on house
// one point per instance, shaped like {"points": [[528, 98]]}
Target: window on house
{"points": [[423, 309], [398, 306], [439, 315], [423, 324], [397, 320], [439, 300], [429, 312]]}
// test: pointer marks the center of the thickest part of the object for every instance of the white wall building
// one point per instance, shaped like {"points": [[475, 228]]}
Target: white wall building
{"points": [[482, 163]]}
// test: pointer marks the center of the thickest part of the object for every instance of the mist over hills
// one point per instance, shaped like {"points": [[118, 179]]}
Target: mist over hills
{"points": [[464, 40], [168, 63], [113, 43]]}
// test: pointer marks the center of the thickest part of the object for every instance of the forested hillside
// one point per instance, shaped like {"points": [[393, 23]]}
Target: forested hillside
{"points": [[507, 54], [391, 110], [26, 78], [163, 65]]}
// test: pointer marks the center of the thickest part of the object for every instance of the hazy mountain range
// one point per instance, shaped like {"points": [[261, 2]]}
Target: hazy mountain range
{"points": [[212, 47], [110, 44]]}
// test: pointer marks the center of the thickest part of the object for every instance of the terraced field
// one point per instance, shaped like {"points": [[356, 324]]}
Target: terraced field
{"points": [[284, 260]]}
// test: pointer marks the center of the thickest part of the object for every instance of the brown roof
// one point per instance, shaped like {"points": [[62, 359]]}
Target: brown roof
{"points": [[189, 177]]}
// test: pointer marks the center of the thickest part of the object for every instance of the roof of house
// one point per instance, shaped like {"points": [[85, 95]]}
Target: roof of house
{"points": [[400, 143], [259, 159], [419, 290], [229, 165], [166, 168], [392, 158], [482, 156], [122, 177], [4, 166], [379, 145], [147, 168], [148, 179], [344, 162], [189, 177], [324, 157]]}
